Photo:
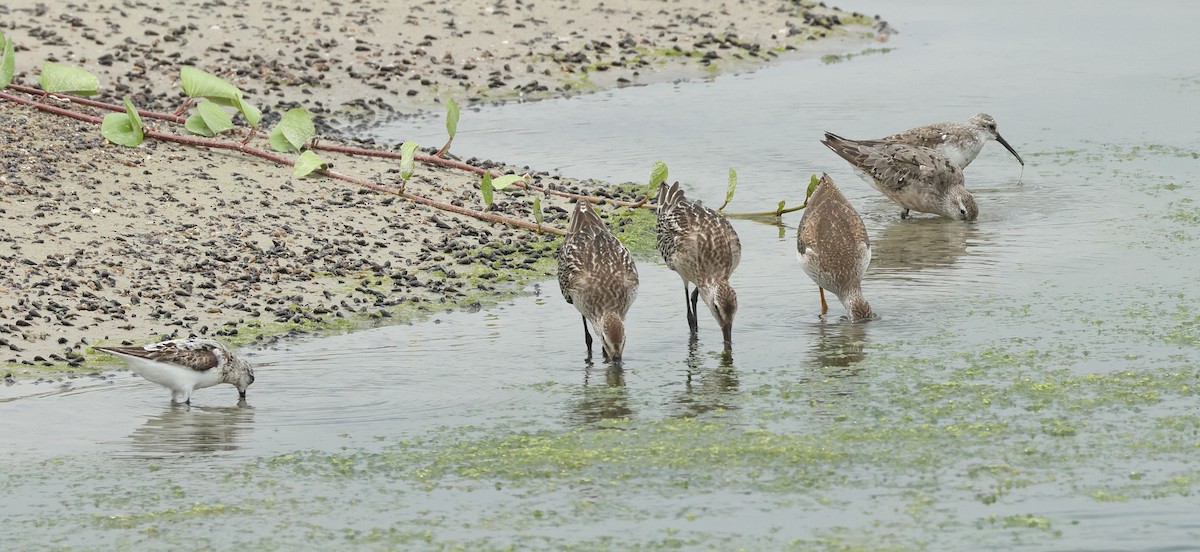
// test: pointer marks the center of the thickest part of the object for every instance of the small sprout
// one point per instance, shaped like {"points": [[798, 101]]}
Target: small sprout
{"points": [[293, 131], [779, 210], [56, 78], [7, 61], [487, 189], [729, 191], [451, 125], [125, 129], [537, 211], [407, 152], [307, 163]]}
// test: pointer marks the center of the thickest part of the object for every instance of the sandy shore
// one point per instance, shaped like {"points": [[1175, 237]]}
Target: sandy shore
{"points": [[106, 244]]}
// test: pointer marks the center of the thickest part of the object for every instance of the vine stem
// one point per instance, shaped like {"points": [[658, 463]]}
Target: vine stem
{"points": [[279, 159], [422, 158], [348, 150]]}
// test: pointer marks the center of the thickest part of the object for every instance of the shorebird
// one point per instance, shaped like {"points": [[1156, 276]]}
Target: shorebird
{"points": [[597, 275], [916, 177], [834, 249], [960, 142], [701, 246], [185, 365]]}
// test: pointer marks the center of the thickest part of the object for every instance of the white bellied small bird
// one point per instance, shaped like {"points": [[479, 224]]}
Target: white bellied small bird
{"points": [[185, 365]]}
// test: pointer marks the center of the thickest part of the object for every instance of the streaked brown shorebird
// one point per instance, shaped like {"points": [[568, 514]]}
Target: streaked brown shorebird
{"points": [[701, 246], [834, 249], [916, 177], [185, 365], [597, 275], [959, 142]]}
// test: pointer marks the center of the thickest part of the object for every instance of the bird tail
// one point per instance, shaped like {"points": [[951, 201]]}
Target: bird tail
{"points": [[841, 146], [584, 215], [668, 196]]}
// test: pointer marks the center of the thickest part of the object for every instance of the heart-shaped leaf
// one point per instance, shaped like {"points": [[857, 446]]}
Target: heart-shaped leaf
{"points": [[57, 77], [199, 84], [252, 114], [451, 117], [308, 162], [658, 175], [7, 61], [732, 187], [407, 151], [196, 125], [123, 128], [215, 118], [486, 188], [507, 180], [293, 131]]}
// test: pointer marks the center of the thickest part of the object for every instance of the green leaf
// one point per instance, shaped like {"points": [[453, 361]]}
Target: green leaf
{"points": [[123, 128], [195, 123], [779, 211], [729, 191], [537, 209], [65, 78], [307, 163], [252, 114], [407, 150], [486, 188], [135, 118], [7, 61], [293, 131], [812, 185], [508, 180], [451, 117], [199, 84], [658, 175], [215, 118]]}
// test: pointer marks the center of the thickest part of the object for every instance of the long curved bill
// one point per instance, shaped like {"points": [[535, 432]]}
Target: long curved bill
{"points": [[1010, 149]]}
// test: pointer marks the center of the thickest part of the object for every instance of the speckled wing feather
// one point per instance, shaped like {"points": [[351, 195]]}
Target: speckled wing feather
{"points": [[694, 240], [894, 165], [197, 356], [930, 136], [832, 229], [592, 260]]}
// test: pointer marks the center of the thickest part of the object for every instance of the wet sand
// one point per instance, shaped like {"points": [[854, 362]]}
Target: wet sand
{"points": [[106, 244]]}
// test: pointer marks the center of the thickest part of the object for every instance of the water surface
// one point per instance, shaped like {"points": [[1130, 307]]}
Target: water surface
{"points": [[1030, 384]]}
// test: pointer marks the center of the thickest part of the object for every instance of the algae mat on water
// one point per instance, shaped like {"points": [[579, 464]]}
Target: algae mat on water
{"points": [[978, 449]]}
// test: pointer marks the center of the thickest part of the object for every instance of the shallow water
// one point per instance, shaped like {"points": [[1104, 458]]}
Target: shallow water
{"points": [[1030, 385]]}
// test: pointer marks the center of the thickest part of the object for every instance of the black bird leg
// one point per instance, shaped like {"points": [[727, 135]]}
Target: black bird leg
{"points": [[587, 336], [691, 312], [695, 313]]}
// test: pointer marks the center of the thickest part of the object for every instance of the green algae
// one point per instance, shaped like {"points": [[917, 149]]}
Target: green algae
{"points": [[839, 58]]}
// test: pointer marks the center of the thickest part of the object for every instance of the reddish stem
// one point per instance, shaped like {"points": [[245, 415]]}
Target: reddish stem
{"points": [[241, 147]]}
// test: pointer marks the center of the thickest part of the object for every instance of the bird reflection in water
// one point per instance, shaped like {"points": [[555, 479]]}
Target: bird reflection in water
{"points": [[602, 399], [904, 246], [839, 347], [708, 388], [183, 429]]}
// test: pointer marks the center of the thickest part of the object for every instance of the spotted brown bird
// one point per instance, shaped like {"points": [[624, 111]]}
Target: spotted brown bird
{"points": [[834, 249], [916, 177], [960, 142], [702, 247], [596, 274]]}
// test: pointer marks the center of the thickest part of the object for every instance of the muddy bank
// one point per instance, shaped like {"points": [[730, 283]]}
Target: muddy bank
{"points": [[104, 244]]}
